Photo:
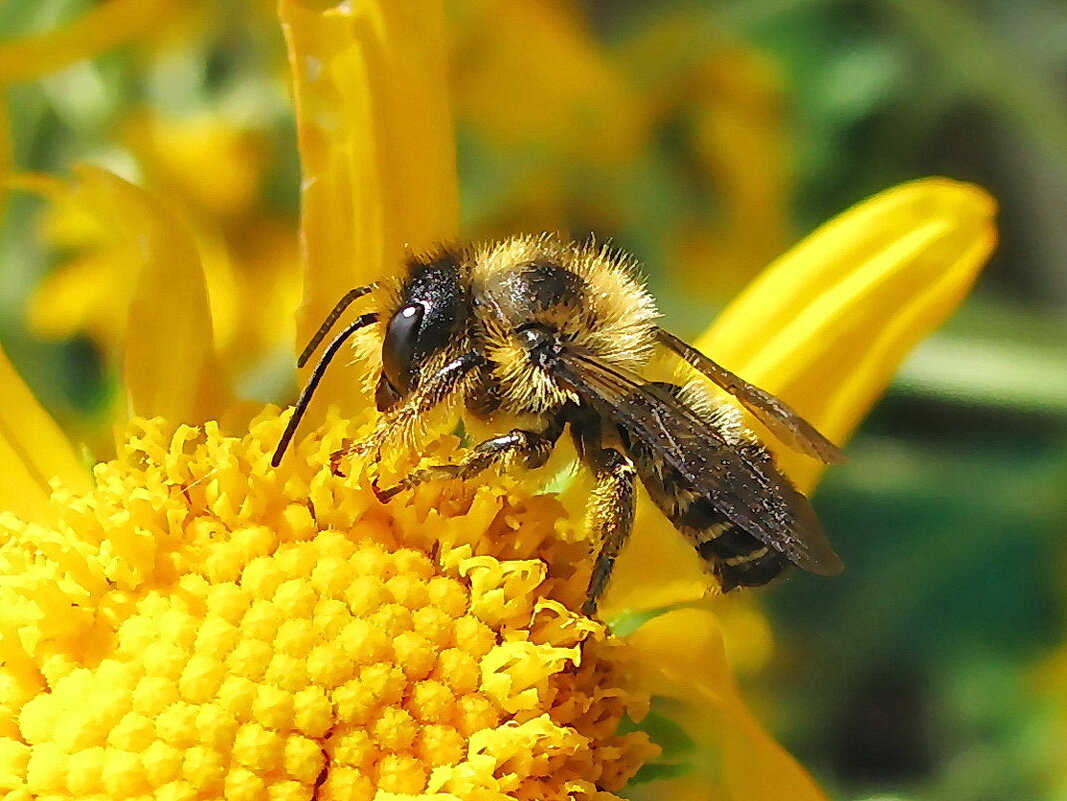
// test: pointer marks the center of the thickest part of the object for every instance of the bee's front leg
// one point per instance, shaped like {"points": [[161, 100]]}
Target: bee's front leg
{"points": [[400, 422], [518, 448]]}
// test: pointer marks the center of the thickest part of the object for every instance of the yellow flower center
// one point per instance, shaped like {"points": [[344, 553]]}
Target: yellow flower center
{"points": [[201, 625]]}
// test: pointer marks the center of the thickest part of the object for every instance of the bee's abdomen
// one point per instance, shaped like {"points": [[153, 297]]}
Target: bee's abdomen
{"points": [[736, 557]]}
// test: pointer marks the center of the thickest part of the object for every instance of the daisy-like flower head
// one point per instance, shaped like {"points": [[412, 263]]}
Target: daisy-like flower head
{"points": [[189, 622], [200, 625]]}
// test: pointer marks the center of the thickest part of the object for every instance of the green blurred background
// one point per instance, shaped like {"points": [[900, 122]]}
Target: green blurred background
{"points": [[705, 137]]}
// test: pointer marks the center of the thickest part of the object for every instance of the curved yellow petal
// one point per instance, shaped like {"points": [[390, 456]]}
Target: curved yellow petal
{"points": [[103, 27], [827, 325], [248, 256], [680, 660], [169, 360], [168, 357], [33, 451], [376, 145]]}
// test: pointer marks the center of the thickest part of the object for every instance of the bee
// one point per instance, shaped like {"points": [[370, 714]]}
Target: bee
{"points": [[535, 336]]}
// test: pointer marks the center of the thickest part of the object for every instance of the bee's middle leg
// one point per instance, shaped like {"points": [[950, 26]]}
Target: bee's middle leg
{"points": [[610, 517], [518, 448]]}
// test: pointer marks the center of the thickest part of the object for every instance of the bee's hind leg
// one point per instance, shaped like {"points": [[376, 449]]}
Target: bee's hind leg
{"points": [[517, 448], [610, 516]]}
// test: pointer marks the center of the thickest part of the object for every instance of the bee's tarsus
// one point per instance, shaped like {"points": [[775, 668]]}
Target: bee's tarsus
{"points": [[386, 495]]}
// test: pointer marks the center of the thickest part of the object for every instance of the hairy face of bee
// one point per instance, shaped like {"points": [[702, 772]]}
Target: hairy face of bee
{"points": [[432, 310]]}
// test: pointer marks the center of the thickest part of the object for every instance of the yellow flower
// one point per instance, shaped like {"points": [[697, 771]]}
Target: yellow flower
{"points": [[192, 623], [245, 630], [200, 624], [245, 253]]}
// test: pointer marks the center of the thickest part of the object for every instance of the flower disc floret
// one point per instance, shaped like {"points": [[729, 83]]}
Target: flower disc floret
{"points": [[201, 625]]}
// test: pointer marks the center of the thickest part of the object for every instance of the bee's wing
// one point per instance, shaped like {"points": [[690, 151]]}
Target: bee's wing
{"points": [[751, 494], [773, 412]]}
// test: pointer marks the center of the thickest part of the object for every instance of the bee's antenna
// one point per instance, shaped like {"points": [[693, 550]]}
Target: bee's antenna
{"points": [[316, 376], [331, 318]]}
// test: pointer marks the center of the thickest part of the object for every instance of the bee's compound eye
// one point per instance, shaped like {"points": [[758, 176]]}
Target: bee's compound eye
{"points": [[398, 350]]}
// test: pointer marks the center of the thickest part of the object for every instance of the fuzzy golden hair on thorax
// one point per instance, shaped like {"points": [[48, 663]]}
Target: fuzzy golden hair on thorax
{"points": [[587, 294]]}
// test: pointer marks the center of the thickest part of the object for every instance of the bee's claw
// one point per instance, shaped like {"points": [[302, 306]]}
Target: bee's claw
{"points": [[349, 448], [386, 495]]}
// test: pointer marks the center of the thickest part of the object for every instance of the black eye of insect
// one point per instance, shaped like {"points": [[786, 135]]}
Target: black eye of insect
{"points": [[401, 341]]}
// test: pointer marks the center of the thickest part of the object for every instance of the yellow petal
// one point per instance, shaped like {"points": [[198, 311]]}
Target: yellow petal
{"points": [[98, 30], [248, 257], [169, 363], [827, 325], [825, 328], [680, 659], [376, 145], [33, 451]]}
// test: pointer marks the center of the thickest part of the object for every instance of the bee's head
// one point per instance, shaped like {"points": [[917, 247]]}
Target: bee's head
{"points": [[428, 318]]}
